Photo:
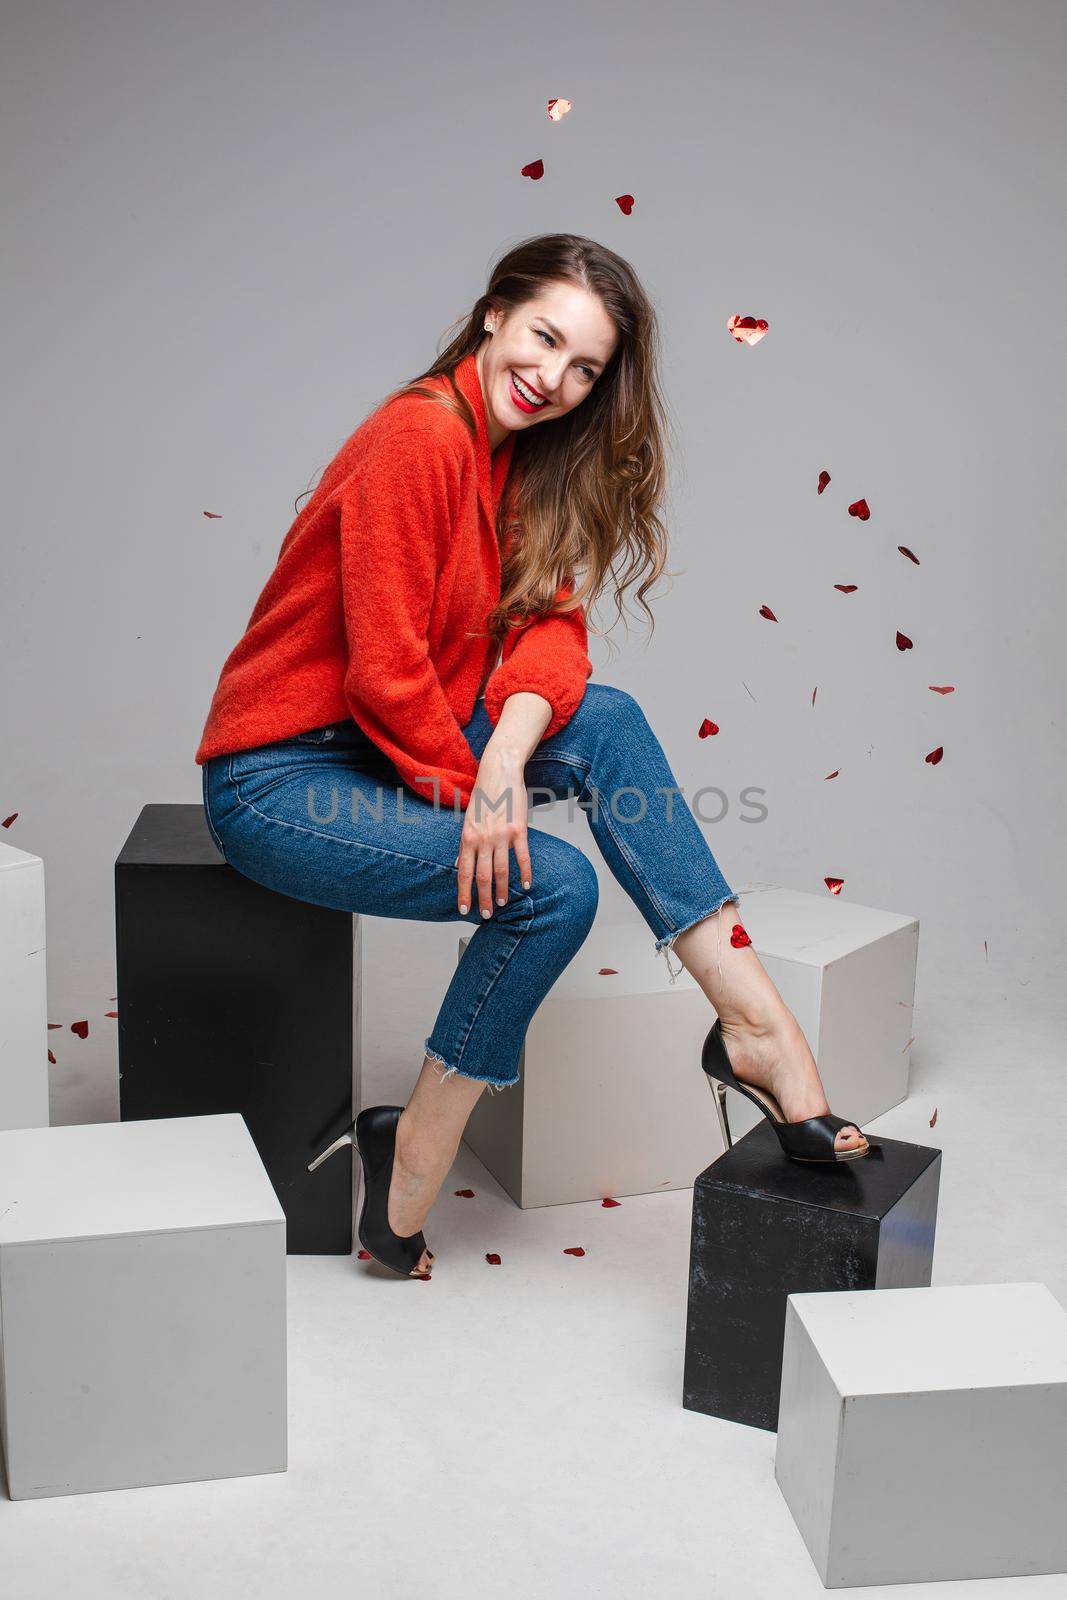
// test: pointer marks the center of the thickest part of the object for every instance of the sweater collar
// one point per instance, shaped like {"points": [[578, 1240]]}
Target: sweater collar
{"points": [[492, 464]]}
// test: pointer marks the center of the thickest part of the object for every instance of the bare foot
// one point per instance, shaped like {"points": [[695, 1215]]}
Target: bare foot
{"points": [[412, 1191], [777, 1058]]}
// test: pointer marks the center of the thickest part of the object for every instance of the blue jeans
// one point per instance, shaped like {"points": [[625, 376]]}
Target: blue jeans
{"points": [[326, 818]]}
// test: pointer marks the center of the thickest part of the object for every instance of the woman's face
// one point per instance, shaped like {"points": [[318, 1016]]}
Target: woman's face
{"points": [[557, 344]]}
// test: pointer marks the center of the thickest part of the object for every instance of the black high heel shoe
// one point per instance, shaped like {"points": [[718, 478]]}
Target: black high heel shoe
{"points": [[810, 1140], [374, 1135]]}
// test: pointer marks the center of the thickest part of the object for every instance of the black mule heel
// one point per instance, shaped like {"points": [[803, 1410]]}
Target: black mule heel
{"points": [[374, 1135], [810, 1140]]}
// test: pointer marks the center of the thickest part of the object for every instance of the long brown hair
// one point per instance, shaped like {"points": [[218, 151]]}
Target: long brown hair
{"points": [[592, 482], [584, 491]]}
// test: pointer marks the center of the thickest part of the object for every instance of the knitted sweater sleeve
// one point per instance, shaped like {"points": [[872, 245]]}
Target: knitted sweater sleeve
{"points": [[550, 657], [394, 509]]}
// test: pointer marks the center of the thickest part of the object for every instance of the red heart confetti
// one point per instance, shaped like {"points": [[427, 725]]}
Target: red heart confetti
{"points": [[834, 885], [464, 1194], [830, 775], [534, 169], [213, 514], [903, 642], [574, 1250], [8, 820], [824, 479], [51, 1058], [557, 109], [985, 947], [364, 1255], [746, 330], [935, 755], [933, 1119], [814, 692], [611, 1202], [707, 728], [492, 1258], [110, 1013], [607, 972], [80, 1028], [625, 203], [55, 1024], [860, 508], [910, 554], [847, 588], [738, 937], [942, 688], [765, 611]]}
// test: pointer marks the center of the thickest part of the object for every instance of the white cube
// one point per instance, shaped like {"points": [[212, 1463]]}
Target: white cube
{"points": [[612, 1099], [23, 997], [142, 1306], [922, 1433]]}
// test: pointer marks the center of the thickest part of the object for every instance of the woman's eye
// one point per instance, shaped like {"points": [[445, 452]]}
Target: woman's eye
{"points": [[543, 335]]}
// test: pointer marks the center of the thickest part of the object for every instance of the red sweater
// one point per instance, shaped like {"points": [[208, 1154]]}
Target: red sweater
{"points": [[390, 564]]}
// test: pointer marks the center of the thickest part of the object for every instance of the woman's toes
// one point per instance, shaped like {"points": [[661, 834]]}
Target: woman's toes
{"points": [[850, 1138]]}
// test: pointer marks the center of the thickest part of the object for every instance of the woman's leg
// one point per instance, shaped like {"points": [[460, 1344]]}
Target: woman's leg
{"points": [[608, 757], [323, 817]]}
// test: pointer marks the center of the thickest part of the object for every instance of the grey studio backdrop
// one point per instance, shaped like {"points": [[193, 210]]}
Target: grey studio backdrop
{"points": [[231, 230]]}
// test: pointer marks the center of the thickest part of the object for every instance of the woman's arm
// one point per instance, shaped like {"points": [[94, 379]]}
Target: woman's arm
{"points": [[405, 490]]}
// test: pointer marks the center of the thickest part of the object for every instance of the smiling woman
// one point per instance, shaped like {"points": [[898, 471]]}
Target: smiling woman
{"points": [[450, 549]]}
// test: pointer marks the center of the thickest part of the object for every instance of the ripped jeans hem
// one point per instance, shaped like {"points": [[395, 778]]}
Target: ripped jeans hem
{"points": [[490, 1083], [667, 941]]}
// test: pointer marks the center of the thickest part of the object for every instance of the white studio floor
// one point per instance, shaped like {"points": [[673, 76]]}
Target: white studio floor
{"points": [[517, 1430]]}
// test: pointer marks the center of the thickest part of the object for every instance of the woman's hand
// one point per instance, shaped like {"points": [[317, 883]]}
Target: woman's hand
{"points": [[493, 824]]}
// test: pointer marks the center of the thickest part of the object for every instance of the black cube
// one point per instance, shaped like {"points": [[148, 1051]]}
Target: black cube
{"points": [[233, 997], [764, 1227]]}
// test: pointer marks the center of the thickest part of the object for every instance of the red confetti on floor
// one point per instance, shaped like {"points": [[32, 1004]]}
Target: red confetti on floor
{"points": [[860, 508], [824, 479], [558, 109], [492, 1258], [935, 755], [933, 1119], [847, 588], [942, 688], [707, 728], [534, 169], [834, 774], [574, 1250], [765, 611], [903, 642], [80, 1028], [607, 972], [8, 820], [910, 554], [464, 1194], [835, 885], [611, 1202], [625, 203]]}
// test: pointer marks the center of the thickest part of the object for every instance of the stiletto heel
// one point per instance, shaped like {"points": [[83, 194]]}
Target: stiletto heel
{"points": [[373, 1133], [810, 1140]]}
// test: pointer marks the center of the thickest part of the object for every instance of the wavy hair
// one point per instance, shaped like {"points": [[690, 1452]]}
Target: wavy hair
{"points": [[584, 492]]}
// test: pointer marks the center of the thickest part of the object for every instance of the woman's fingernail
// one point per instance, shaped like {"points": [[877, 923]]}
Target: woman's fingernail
{"points": [[501, 900], [526, 883], [464, 909], [486, 911]]}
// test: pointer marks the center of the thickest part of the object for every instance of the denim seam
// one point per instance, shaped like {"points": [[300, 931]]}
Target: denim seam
{"points": [[278, 822], [488, 987]]}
